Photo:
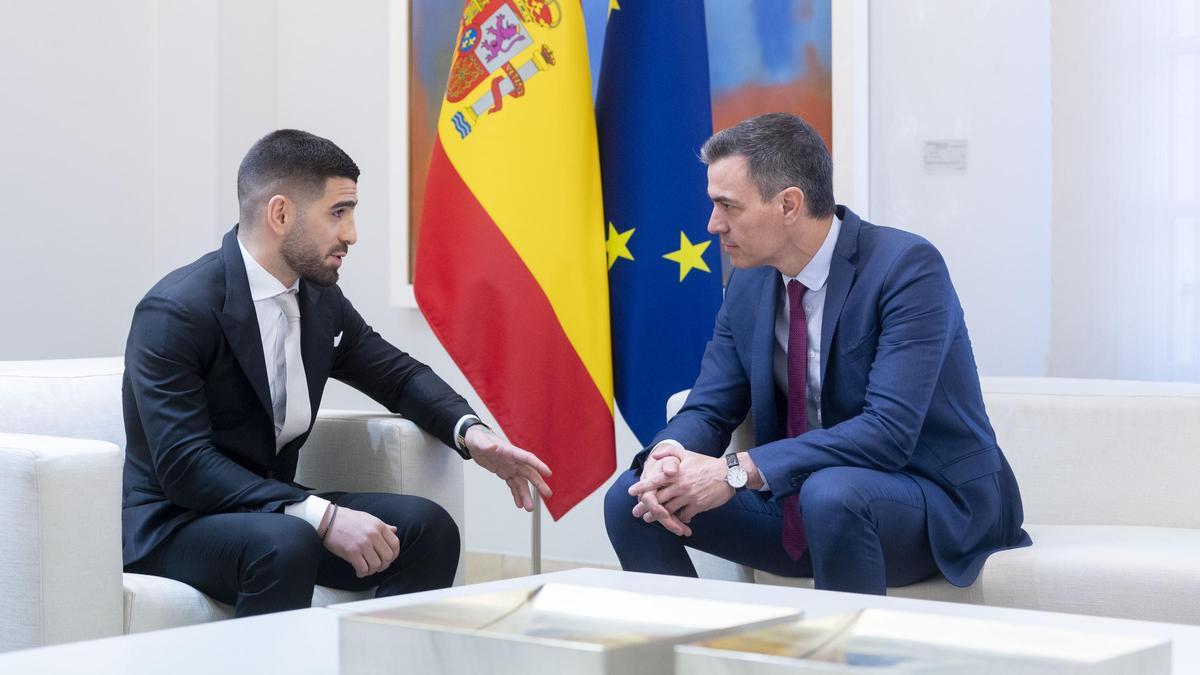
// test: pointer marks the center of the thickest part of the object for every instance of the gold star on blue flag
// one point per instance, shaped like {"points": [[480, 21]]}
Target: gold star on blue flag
{"points": [[689, 256], [618, 244]]}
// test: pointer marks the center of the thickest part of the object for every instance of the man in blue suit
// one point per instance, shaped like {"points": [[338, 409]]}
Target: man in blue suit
{"points": [[874, 462]]}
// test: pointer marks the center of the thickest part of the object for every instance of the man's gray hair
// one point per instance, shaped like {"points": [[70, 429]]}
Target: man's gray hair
{"points": [[781, 151]]}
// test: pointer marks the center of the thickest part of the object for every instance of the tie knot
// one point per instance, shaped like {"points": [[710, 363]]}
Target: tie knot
{"points": [[287, 303], [796, 291]]}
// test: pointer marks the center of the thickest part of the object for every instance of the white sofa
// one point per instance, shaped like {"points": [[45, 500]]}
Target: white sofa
{"points": [[1110, 478], [62, 444]]}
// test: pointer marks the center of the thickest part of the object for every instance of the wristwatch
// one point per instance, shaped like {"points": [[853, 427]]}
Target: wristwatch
{"points": [[735, 474], [461, 439]]}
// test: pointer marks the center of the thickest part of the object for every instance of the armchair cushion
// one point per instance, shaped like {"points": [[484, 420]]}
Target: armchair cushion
{"points": [[154, 602], [76, 398]]}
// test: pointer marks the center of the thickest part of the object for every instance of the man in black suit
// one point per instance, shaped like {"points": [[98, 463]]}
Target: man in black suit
{"points": [[225, 365]]}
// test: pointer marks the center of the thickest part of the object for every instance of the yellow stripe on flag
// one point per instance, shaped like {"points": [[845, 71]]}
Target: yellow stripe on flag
{"points": [[525, 164]]}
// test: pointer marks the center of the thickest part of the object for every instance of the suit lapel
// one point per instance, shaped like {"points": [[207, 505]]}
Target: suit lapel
{"points": [[316, 342], [842, 270], [240, 323], [762, 356]]}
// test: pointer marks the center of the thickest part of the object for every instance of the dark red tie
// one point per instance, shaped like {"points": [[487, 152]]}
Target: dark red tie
{"points": [[794, 541]]}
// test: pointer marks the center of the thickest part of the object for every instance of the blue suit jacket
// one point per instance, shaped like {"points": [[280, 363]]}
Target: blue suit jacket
{"points": [[200, 434], [899, 391]]}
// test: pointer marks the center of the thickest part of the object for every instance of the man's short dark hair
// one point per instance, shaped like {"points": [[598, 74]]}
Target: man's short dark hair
{"points": [[781, 151], [292, 163]]}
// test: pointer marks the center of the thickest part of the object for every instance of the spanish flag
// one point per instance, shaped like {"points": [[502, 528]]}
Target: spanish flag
{"points": [[511, 268]]}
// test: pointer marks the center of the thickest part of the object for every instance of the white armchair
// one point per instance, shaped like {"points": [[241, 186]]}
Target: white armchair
{"points": [[62, 445], [1107, 471]]}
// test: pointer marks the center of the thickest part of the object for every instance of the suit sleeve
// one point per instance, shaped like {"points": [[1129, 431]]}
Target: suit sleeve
{"points": [[919, 319], [717, 402], [400, 383], [165, 359]]}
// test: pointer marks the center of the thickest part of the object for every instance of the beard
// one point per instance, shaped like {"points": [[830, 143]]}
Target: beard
{"points": [[302, 254]]}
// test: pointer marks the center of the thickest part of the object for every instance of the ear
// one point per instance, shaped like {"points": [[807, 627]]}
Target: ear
{"points": [[279, 214], [792, 201]]}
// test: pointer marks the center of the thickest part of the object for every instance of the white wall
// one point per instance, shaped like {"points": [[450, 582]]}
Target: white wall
{"points": [[1074, 234], [78, 145], [1125, 208], [946, 69]]}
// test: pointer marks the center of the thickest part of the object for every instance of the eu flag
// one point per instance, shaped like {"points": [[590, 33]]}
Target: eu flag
{"points": [[653, 112]]}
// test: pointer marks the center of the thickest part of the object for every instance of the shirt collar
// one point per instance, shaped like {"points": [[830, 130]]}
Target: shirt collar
{"points": [[816, 272], [263, 284]]}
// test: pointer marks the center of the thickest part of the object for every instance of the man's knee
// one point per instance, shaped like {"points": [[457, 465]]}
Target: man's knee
{"points": [[287, 543], [438, 532], [831, 495]]}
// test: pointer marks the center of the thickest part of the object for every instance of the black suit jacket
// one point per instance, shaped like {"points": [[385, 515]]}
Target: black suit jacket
{"points": [[200, 436]]}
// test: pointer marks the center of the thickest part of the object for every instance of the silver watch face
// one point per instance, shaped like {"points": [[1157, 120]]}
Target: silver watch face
{"points": [[736, 477]]}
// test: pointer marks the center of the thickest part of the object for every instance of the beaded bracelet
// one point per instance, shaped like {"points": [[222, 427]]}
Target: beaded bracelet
{"points": [[330, 524]]}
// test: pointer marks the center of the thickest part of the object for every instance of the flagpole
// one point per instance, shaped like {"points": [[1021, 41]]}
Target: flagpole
{"points": [[535, 538]]}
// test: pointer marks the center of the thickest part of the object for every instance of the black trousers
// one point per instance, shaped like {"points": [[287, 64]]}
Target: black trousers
{"points": [[269, 562]]}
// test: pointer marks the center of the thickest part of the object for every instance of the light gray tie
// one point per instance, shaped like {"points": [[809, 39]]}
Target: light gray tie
{"points": [[295, 408]]}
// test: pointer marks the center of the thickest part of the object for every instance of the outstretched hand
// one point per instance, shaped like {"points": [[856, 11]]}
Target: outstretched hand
{"points": [[516, 467]]}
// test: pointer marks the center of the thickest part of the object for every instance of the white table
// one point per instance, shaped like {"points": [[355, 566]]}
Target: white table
{"points": [[303, 642], [306, 641]]}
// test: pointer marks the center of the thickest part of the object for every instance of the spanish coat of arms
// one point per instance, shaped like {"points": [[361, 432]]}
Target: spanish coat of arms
{"points": [[495, 45]]}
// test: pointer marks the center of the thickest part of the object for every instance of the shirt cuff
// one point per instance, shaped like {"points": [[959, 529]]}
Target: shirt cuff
{"points": [[458, 428], [766, 487], [668, 441], [311, 510]]}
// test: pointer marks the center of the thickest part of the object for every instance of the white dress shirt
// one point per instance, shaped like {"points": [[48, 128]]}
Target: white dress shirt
{"points": [[264, 287]]}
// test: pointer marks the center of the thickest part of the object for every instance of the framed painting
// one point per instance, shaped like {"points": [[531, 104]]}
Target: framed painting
{"points": [[809, 57]]}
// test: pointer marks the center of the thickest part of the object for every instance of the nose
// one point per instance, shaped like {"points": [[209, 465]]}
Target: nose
{"points": [[349, 233], [716, 225]]}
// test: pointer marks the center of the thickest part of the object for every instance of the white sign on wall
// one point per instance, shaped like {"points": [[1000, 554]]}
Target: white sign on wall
{"points": [[946, 157]]}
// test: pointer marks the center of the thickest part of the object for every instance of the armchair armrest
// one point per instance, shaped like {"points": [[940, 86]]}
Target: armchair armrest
{"points": [[60, 560], [377, 452]]}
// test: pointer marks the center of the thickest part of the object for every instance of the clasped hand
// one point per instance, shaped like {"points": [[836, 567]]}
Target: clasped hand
{"points": [[676, 485], [366, 542], [516, 467]]}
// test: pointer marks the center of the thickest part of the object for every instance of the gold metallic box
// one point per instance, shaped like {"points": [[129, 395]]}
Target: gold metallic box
{"points": [[551, 628], [882, 642]]}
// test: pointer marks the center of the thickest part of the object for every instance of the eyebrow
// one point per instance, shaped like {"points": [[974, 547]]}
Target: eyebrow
{"points": [[722, 199], [345, 203]]}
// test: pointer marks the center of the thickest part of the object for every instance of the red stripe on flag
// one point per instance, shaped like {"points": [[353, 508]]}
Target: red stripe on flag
{"points": [[489, 312]]}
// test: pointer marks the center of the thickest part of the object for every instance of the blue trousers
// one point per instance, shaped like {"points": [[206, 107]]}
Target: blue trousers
{"points": [[866, 531]]}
